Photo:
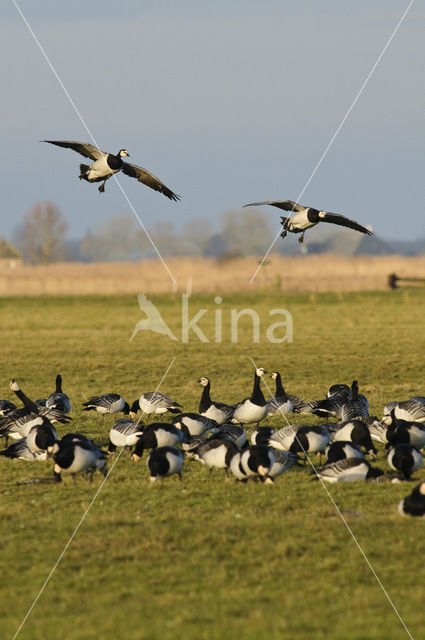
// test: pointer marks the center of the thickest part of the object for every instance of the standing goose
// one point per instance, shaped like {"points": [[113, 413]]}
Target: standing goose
{"points": [[193, 424], [108, 403], [404, 431], [355, 431], [342, 450], [280, 396], [58, 399], [74, 455], [357, 407], [164, 462], [253, 409], [154, 402], [282, 462], [254, 462], [157, 434], [307, 217], [124, 433], [214, 453], [217, 411], [310, 440], [106, 164]]}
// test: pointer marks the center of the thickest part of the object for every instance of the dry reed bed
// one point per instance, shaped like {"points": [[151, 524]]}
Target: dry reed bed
{"points": [[307, 273]]}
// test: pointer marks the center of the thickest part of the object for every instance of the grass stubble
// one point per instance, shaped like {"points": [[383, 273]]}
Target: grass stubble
{"points": [[208, 558]]}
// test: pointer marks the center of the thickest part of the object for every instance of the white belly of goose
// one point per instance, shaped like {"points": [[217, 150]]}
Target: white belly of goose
{"points": [[100, 169], [248, 413]]}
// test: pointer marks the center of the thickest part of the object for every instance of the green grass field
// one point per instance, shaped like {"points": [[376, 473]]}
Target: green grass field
{"points": [[207, 558]]}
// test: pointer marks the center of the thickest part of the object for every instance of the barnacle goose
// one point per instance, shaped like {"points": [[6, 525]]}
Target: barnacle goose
{"points": [[283, 438], [377, 429], [405, 459], [307, 217], [214, 453], [231, 432], [312, 439], [253, 409], [348, 470], [51, 413], [20, 450], [154, 402], [338, 395], [164, 462], [254, 462], [282, 462], [339, 389], [262, 435], [298, 404], [217, 411], [403, 431], [124, 433], [58, 399], [357, 407], [193, 424], [75, 455], [6, 407], [41, 437], [412, 410], [342, 450], [157, 434], [106, 164], [281, 402], [357, 432], [414, 504], [107, 404]]}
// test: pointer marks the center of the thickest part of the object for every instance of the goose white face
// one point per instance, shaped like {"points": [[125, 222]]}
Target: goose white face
{"points": [[124, 153], [274, 375], [260, 372], [422, 488], [14, 385], [54, 448], [203, 381]]}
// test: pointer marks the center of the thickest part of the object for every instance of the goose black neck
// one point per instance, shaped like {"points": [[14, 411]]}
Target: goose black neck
{"points": [[280, 391], [205, 401], [29, 404], [59, 384], [257, 396], [355, 390]]}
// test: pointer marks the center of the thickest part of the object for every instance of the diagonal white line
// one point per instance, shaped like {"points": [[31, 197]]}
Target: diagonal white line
{"points": [[341, 124], [341, 516], [79, 525], [36, 40]]}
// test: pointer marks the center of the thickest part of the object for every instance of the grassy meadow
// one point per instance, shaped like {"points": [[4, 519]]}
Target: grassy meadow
{"points": [[208, 558]]}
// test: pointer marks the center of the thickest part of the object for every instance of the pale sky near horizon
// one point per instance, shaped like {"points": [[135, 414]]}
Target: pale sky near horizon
{"points": [[227, 103]]}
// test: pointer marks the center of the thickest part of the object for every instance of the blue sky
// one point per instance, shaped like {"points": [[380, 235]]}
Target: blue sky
{"points": [[227, 104]]}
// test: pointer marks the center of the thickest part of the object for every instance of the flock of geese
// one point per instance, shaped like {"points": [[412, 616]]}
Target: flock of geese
{"points": [[228, 436]]}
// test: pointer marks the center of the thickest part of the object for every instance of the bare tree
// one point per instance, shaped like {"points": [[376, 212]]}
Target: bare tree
{"points": [[246, 232], [41, 235], [118, 239]]}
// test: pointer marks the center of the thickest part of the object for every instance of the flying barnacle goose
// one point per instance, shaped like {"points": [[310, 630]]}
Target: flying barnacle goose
{"points": [[6, 407], [124, 433], [106, 164], [157, 434], [348, 470], [214, 453], [357, 407], [342, 450], [298, 405], [75, 455], [355, 431], [405, 459], [254, 409], [403, 431], [412, 410], [163, 462], [108, 403], [414, 504], [154, 402], [20, 450], [307, 217], [193, 424], [58, 399], [254, 462], [217, 411]]}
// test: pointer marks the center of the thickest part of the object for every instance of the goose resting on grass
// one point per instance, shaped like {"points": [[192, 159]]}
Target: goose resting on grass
{"points": [[306, 217], [106, 164]]}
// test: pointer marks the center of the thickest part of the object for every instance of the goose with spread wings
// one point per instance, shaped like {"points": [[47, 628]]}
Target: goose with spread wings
{"points": [[106, 164], [306, 217]]}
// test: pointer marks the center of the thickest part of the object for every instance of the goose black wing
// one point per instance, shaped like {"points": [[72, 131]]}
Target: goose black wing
{"points": [[287, 205], [84, 148], [336, 218], [148, 179]]}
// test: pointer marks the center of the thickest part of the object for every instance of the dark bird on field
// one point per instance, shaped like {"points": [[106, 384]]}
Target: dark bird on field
{"points": [[106, 164], [306, 217]]}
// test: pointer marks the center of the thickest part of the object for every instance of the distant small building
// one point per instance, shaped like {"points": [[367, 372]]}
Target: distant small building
{"points": [[10, 257]]}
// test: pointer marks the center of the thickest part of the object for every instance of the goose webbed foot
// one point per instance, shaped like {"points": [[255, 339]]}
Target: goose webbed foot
{"points": [[102, 187], [284, 234], [301, 240]]}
